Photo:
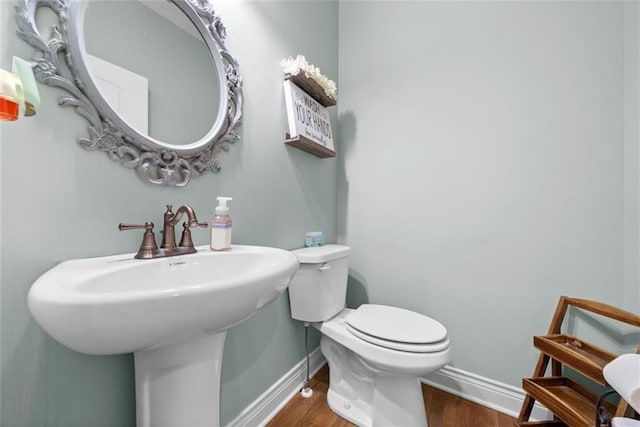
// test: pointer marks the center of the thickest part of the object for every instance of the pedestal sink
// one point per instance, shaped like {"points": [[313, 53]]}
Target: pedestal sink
{"points": [[172, 313]]}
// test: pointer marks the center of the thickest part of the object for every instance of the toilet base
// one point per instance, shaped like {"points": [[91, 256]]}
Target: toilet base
{"points": [[367, 396]]}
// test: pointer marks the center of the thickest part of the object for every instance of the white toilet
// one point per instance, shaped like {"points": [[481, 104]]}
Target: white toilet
{"points": [[376, 354]]}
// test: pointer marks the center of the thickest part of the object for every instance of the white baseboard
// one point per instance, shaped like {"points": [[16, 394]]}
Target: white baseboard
{"points": [[493, 394], [265, 407], [484, 391]]}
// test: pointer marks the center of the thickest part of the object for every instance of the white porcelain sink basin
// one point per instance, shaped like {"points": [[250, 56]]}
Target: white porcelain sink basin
{"points": [[170, 312], [117, 304]]}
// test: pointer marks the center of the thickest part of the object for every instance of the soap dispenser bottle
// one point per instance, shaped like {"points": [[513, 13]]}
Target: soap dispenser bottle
{"points": [[221, 226]]}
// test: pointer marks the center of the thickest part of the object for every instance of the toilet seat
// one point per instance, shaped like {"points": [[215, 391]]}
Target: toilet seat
{"points": [[397, 329]]}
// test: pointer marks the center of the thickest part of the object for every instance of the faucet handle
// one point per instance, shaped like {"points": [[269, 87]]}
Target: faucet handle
{"points": [[148, 247], [185, 240], [124, 227], [196, 224]]}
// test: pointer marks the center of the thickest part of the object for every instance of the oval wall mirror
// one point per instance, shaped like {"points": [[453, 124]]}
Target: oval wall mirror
{"points": [[182, 90], [161, 93]]}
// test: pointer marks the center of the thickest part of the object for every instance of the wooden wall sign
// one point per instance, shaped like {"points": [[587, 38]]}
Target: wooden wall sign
{"points": [[309, 123]]}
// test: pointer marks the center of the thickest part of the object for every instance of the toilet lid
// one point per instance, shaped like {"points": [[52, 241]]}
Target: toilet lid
{"points": [[397, 328]]}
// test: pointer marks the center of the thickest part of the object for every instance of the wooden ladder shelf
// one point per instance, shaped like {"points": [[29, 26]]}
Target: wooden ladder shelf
{"points": [[572, 404]]}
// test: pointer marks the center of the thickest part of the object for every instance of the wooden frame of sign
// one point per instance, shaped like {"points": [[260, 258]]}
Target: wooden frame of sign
{"points": [[309, 146], [308, 120]]}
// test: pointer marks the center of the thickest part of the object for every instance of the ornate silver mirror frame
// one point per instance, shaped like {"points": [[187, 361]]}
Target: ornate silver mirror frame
{"points": [[61, 62]]}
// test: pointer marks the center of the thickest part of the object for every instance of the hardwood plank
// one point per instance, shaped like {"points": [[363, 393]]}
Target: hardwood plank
{"points": [[443, 410]]}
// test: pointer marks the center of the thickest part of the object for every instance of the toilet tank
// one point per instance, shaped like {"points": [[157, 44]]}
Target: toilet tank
{"points": [[318, 290]]}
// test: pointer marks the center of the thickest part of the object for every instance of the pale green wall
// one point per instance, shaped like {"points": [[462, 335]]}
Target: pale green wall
{"points": [[485, 170], [60, 201], [488, 163], [631, 291]]}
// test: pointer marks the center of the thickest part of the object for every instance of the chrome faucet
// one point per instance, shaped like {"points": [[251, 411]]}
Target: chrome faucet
{"points": [[149, 249]]}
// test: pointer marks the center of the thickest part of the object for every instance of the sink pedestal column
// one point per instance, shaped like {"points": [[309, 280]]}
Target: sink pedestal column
{"points": [[178, 385]]}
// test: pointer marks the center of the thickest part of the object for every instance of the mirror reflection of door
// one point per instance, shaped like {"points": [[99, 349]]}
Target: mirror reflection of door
{"points": [[165, 47], [126, 92]]}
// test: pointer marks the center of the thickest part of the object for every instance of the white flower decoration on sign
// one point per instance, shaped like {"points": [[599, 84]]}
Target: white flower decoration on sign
{"points": [[294, 66]]}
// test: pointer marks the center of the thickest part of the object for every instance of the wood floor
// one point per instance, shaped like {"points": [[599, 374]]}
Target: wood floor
{"points": [[443, 410]]}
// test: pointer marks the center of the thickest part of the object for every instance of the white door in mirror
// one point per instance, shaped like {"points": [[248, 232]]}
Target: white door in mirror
{"points": [[126, 92]]}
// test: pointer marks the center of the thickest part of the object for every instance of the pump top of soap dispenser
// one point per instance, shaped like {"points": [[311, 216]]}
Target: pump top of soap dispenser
{"points": [[222, 208]]}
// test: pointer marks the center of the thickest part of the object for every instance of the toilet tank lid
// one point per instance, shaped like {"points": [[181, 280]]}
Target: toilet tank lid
{"points": [[320, 254]]}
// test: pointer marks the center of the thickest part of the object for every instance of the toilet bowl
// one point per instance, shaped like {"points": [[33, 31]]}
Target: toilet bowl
{"points": [[376, 353]]}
